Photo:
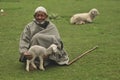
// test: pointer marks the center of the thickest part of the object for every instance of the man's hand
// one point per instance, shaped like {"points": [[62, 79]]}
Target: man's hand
{"points": [[27, 55]]}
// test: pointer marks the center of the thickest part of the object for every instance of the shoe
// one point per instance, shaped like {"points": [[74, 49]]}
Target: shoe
{"points": [[31, 68]]}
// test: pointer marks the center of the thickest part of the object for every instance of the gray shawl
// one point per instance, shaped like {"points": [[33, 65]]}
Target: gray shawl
{"points": [[46, 36]]}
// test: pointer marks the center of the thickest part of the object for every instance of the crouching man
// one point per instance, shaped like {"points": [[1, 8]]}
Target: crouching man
{"points": [[41, 32]]}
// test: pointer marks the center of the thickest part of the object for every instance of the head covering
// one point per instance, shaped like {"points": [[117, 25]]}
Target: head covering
{"points": [[40, 8]]}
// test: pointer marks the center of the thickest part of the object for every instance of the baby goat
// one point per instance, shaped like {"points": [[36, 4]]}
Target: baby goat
{"points": [[41, 52]]}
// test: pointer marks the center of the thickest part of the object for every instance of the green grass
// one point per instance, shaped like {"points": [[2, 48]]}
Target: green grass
{"points": [[101, 64]]}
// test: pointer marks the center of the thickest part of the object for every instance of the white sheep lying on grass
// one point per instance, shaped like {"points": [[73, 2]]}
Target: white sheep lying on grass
{"points": [[82, 18], [41, 52]]}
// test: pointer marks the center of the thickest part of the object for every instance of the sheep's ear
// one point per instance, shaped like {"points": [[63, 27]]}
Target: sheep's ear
{"points": [[54, 49]]}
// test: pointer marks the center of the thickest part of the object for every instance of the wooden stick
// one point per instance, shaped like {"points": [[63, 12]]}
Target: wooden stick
{"points": [[81, 55]]}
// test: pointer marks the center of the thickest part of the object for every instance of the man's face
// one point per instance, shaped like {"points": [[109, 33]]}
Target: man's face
{"points": [[40, 16]]}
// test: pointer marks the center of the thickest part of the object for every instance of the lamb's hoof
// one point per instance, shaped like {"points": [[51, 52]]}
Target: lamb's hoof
{"points": [[27, 70], [43, 69], [35, 67]]}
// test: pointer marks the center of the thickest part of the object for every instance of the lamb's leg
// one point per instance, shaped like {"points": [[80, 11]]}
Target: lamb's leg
{"points": [[32, 62], [27, 65], [82, 22], [41, 63], [89, 20]]}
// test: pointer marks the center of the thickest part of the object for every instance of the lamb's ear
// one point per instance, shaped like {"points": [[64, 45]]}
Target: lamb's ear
{"points": [[54, 48], [61, 44]]}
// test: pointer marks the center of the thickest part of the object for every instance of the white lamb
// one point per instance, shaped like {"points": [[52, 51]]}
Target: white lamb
{"points": [[82, 18], [41, 52]]}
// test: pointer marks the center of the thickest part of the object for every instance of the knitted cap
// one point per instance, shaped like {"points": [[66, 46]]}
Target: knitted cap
{"points": [[42, 9]]}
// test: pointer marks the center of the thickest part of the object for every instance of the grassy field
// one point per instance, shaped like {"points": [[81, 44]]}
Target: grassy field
{"points": [[101, 64]]}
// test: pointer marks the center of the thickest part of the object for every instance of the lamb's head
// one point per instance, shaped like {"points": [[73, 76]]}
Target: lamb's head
{"points": [[94, 12], [54, 48]]}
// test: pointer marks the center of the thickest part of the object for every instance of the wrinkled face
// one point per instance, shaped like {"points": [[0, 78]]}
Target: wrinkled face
{"points": [[40, 16]]}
